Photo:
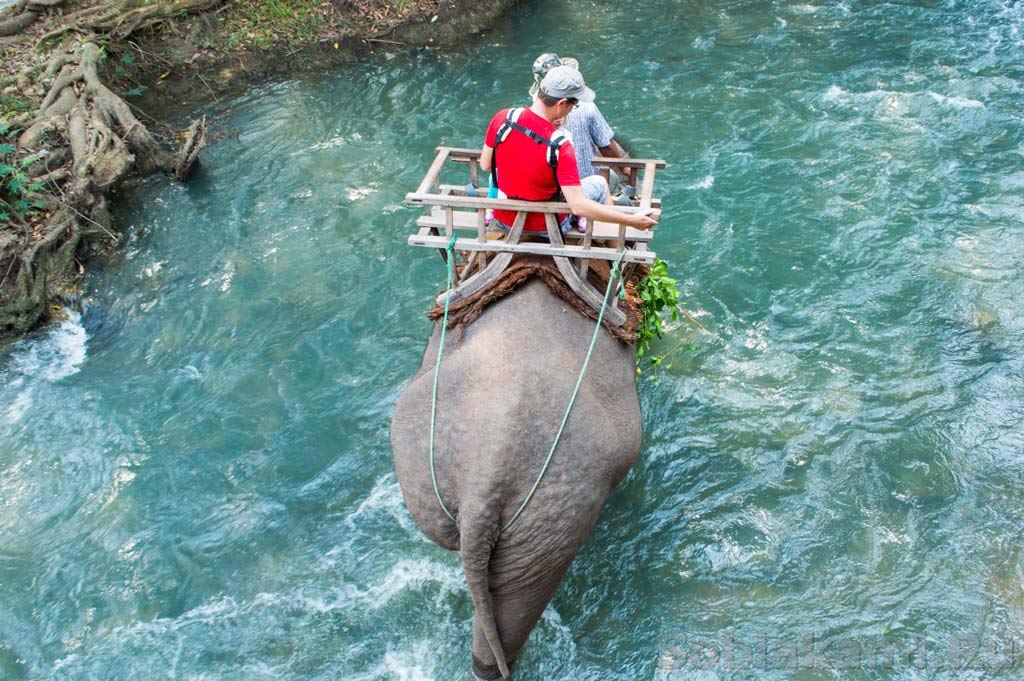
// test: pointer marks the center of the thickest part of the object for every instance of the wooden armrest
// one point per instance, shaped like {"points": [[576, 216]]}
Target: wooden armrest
{"points": [[461, 153], [609, 162], [424, 199]]}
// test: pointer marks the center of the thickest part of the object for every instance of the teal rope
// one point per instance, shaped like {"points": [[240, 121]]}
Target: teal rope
{"points": [[437, 369], [611, 280]]}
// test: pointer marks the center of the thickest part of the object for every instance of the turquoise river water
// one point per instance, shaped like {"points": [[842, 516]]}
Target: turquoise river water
{"points": [[195, 471]]}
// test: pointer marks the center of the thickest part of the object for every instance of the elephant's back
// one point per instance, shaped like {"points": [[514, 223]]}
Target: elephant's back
{"points": [[502, 393]]}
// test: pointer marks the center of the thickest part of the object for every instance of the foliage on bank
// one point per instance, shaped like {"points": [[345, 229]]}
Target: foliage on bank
{"points": [[70, 85]]}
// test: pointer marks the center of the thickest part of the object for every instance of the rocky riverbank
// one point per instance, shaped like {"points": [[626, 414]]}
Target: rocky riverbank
{"points": [[85, 87]]}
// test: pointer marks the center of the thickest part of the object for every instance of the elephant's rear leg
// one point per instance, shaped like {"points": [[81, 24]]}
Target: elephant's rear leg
{"points": [[524, 576], [516, 613]]}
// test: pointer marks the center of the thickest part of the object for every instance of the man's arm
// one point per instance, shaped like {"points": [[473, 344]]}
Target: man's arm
{"points": [[486, 156], [579, 204], [613, 150]]}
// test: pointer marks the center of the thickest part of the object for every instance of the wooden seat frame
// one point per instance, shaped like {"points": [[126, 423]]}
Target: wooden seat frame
{"points": [[448, 208]]}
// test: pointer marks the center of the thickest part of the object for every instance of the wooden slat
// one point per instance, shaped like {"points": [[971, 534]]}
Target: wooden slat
{"points": [[425, 239], [462, 154], [554, 231], [580, 286], [460, 190], [588, 237], [481, 225], [647, 191], [610, 162], [420, 198], [590, 294], [599, 230], [489, 273], [434, 171]]}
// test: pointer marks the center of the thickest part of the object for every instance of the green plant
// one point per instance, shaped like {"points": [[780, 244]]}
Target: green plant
{"points": [[16, 190], [658, 292]]}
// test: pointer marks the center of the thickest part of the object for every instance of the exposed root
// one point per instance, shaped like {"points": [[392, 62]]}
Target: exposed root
{"points": [[127, 16], [118, 19], [17, 23], [90, 140], [21, 15]]}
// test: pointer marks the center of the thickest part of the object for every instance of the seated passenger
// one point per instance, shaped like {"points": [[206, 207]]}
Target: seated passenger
{"points": [[585, 124], [531, 160]]}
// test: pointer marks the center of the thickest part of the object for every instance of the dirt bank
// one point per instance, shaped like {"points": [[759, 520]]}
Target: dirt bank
{"points": [[85, 85]]}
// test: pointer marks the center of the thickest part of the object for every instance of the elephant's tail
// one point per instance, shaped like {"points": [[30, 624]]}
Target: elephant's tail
{"points": [[477, 537]]}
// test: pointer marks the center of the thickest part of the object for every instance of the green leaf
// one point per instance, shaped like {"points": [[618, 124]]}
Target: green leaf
{"points": [[128, 59], [6, 148]]}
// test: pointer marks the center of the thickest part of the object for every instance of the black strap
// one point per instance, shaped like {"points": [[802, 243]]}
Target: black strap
{"points": [[540, 139], [552, 155]]}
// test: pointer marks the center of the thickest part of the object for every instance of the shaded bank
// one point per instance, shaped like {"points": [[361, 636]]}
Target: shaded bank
{"points": [[75, 74]]}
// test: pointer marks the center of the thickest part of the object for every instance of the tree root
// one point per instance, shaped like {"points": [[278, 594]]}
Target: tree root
{"points": [[18, 23], [95, 141], [21, 15]]}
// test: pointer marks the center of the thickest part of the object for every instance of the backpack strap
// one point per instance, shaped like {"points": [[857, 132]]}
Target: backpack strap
{"points": [[553, 145], [504, 130], [511, 118]]}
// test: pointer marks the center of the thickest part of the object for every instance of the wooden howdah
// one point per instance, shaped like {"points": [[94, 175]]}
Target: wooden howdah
{"points": [[485, 253]]}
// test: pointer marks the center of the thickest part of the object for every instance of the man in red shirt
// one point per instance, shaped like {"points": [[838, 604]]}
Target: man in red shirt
{"points": [[523, 171]]}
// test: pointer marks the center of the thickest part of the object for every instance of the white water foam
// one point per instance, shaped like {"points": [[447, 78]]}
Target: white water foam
{"points": [[385, 498], [707, 183], [58, 355], [411, 575], [956, 102], [408, 664]]}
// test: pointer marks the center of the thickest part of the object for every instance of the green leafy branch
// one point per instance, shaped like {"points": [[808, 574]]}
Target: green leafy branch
{"points": [[657, 292]]}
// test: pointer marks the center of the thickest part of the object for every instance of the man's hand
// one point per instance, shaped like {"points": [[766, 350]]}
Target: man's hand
{"points": [[592, 210], [644, 219]]}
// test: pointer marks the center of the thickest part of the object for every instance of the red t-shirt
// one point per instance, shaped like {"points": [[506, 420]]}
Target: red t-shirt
{"points": [[523, 170]]}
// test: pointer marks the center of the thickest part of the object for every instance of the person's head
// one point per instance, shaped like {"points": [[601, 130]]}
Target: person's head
{"points": [[562, 89], [546, 62]]}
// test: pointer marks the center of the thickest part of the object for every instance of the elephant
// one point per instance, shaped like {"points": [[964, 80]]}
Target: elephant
{"points": [[502, 392]]}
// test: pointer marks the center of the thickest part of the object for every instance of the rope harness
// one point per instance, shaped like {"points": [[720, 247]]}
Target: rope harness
{"points": [[615, 272]]}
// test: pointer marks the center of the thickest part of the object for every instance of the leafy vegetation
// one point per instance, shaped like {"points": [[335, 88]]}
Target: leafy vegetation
{"points": [[658, 293], [266, 23], [16, 190]]}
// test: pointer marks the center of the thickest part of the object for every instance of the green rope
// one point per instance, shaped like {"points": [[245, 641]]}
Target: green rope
{"points": [[437, 369], [611, 280], [572, 400]]}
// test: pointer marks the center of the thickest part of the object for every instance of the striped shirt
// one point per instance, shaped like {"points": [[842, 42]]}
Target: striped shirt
{"points": [[587, 129]]}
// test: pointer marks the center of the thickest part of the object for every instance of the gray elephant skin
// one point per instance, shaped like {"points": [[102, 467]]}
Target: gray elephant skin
{"points": [[502, 393]]}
